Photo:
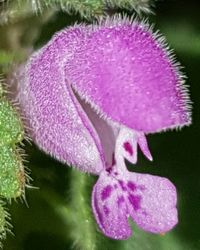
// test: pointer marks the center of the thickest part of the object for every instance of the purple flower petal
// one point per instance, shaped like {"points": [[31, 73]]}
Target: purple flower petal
{"points": [[149, 200], [56, 121], [123, 74], [110, 208], [126, 145], [128, 76], [154, 206]]}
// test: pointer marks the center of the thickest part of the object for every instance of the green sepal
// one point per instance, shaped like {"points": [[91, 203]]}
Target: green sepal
{"points": [[12, 174], [11, 129]]}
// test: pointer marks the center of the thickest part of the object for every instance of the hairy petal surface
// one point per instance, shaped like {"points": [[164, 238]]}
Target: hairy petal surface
{"points": [[121, 70], [156, 197], [56, 121], [110, 208], [128, 76], [149, 200]]}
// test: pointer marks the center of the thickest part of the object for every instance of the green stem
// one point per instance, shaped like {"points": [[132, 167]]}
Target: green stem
{"points": [[83, 229]]}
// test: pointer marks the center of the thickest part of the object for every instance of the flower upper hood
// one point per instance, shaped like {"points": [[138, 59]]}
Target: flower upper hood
{"points": [[88, 81]]}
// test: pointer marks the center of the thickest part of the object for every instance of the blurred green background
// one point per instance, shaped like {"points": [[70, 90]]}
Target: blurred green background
{"points": [[57, 215]]}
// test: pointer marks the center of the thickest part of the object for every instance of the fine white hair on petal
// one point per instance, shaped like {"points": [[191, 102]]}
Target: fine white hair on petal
{"points": [[120, 20]]}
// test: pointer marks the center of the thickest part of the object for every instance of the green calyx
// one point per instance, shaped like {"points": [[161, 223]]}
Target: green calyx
{"points": [[12, 173], [12, 177], [4, 222], [11, 129]]}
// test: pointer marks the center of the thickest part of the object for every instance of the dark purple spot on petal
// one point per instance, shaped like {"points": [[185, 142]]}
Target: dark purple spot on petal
{"points": [[120, 200], [106, 210], [128, 148], [113, 160], [135, 201], [131, 186], [122, 185], [144, 213], [115, 186], [109, 170], [105, 194], [141, 187]]}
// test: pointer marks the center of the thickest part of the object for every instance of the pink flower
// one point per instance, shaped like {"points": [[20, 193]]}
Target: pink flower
{"points": [[89, 97]]}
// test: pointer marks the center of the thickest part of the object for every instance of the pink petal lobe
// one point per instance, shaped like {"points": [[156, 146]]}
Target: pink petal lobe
{"points": [[142, 141], [127, 75], [57, 122], [149, 200], [152, 203], [126, 145], [110, 208]]}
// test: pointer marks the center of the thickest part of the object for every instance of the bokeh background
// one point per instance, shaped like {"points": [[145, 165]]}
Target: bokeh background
{"points": [[57, 215]]}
